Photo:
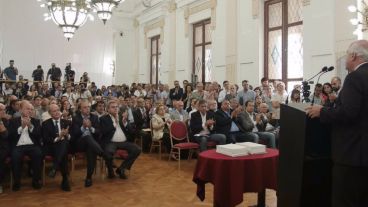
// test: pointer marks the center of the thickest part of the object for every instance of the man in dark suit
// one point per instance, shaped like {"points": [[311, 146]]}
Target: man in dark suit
{"points": [[349, 120], [4, 143], [176, 93], [56, 139], [141, 121], [225, 123], [25, 139], [202, 125], [115, 130], [85, 135]]}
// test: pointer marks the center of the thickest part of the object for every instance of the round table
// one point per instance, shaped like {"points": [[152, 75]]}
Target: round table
{"points": [[233, 176]]}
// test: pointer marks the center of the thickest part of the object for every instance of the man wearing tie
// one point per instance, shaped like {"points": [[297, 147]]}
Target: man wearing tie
{"points": [[25, 138], [85, 134], [115, 129], [56, 139]]}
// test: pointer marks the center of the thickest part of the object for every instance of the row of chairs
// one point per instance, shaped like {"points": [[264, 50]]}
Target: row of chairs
{"points": [[120, 154], [179, 141]]}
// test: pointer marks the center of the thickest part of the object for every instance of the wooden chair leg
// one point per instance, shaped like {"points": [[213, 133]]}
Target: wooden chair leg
{"points": [[11, 178], [179, 157], [159, 150], [72, 159], [44, 172]]}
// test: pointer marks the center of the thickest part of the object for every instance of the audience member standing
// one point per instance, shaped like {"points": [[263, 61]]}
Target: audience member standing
{"points": [[54, 73], [246, 94], [11, 72], [38, 74], [176, 93]]}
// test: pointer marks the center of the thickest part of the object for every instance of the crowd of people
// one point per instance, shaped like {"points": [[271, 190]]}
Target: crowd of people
{"points": [[57, 117]]}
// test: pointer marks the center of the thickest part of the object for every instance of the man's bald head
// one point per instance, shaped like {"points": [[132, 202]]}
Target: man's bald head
{"points": [[54, 111]]}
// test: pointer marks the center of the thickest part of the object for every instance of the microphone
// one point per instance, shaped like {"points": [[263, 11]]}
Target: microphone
{"points": [[324, 70]]}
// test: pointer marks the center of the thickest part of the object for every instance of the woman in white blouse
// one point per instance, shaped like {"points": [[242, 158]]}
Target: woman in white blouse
{"points": [[279, 97], [160, 126]]}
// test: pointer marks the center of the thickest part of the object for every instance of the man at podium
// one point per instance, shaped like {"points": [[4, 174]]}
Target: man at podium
{"points": [[349, 120]]}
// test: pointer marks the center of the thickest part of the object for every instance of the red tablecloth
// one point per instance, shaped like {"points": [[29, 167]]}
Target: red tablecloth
{"points": [[233, 176]]}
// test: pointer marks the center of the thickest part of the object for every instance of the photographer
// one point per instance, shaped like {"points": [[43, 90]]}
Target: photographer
{"points": [[69, 73]]}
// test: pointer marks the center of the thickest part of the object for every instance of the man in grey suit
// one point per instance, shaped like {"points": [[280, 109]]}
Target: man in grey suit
{"points": [[179, 114], [247, 121]]}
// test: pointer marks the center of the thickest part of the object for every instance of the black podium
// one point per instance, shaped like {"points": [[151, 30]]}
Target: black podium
{"points": [[304, 175]]}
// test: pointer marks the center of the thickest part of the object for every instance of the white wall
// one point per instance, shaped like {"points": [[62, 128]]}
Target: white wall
{"points": [[31, 41], [237, 40]]}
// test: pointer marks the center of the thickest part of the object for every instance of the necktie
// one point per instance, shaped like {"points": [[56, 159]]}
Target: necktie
{"points": [[56, 126]]}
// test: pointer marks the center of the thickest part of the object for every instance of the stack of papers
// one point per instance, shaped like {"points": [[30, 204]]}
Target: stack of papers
{"points": [[253, 148], [232, 150], [241, 149]]}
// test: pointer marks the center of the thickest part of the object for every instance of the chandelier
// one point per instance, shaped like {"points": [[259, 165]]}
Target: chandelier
{"points": [[362, 17], [104, 8], [69, 15]]}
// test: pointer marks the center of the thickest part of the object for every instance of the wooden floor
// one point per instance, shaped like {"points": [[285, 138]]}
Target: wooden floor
{"points": [[152, 183]]}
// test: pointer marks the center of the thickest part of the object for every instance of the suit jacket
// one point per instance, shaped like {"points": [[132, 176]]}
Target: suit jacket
{"points": [[4, 136], [196, 122], [35, 135], [244, 122], [108, 129], [349, 119], [138, 119], [177, 96], [223, 122], [49, 130], [77, 122]]}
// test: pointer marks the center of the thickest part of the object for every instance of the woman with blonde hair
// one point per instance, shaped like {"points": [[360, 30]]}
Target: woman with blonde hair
{"points": [[160, 126]]}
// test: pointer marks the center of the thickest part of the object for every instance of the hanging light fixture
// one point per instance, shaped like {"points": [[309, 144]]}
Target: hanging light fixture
{"points": [[361, 21], [104, 8], [69, 15]]}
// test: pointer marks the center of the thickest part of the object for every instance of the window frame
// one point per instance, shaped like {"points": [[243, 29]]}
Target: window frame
{"points": [[285, 25]]}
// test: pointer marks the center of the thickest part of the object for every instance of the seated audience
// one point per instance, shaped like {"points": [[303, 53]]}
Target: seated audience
{"points": [[25, 139], [179, 114], [55, 133], [202, 125], [85, 135], [247, 122], [115, 130], [160, 126], [4, 143]]}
